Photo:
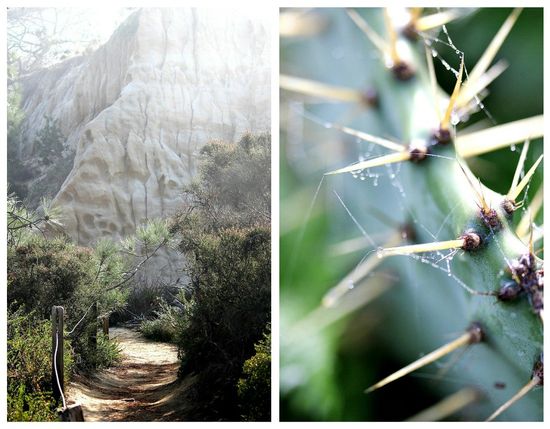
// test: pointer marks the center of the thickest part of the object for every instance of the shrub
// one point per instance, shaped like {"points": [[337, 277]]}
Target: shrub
{"points": [[29, 367], [231, 289], [225, 235], [29, 407], [105, 354], [49, 141], [254, 388], [164, 326], [43, 273]]}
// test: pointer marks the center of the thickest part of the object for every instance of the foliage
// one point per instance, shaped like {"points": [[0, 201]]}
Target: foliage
{"points": [[234, 183], [29, 407], [104, 353], [43, 272], [163, 327], [231, 281], [45, 269], [224, 233], [48, 183], [49, 141], [255, 388], [29, 367]]}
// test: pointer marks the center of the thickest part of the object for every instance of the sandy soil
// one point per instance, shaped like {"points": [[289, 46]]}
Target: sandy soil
{"points": [[143, 387]]}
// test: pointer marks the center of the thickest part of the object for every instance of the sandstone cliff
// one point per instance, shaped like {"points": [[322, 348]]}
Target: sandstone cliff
{"points": [[138, 110]]}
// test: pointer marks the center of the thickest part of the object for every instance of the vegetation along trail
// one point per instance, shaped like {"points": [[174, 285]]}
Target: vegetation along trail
{"points": [[141, 388]]}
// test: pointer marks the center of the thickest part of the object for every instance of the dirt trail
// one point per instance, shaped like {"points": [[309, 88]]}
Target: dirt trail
{"points": [[143, 387]]}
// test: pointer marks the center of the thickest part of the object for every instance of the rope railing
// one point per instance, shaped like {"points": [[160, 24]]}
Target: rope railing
{"points": [[80, 321], [56, 369], [72, 412]]}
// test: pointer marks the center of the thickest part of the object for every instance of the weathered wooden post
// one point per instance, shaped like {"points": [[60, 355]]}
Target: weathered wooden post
{"points": [[73, 413], [58, 376], [106, 326]]}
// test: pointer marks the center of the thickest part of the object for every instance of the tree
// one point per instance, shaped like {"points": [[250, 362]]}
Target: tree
{"points": [[49, 142], [225, 235]]}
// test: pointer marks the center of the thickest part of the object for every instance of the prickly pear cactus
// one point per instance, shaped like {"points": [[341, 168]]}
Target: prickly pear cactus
{"points": [[409, 287]]}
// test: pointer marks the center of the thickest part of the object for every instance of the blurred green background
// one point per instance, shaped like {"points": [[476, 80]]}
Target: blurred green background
{"points": [[323, 374]]}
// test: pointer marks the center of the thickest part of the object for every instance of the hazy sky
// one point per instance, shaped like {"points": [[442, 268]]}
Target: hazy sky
{"points": [[78, 27]]}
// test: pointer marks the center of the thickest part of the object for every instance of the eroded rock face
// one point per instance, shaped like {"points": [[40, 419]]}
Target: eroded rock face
{"points": [[138, 110]]}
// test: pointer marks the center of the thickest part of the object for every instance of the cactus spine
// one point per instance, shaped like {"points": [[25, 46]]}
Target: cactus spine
{"points": [[448, 215]]}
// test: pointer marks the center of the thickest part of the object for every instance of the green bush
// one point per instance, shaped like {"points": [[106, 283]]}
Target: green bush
{"points": [[106, 353], [43, 273], [48, 143], [164, 326], [29, 367], [231, 280], [254, 388], [224, 232], [30, 407]]}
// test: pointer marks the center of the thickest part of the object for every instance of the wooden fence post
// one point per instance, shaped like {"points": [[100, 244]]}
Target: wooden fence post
{"points": [[57, 358], [106, 326]]}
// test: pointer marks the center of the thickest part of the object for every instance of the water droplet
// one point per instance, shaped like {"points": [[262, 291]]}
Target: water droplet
{"points": [[351, 285], [449, 274], [362, 178], [513, 148], [434, 53], [327, 125], [380, 253], [392, 176]]}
